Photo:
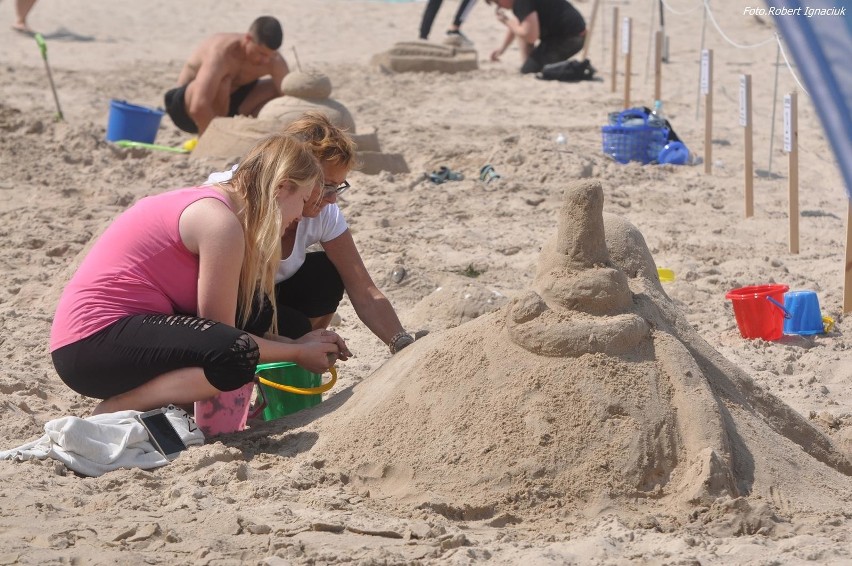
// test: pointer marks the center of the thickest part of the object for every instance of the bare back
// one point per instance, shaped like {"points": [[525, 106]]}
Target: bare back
{"points": [[221, 58]]}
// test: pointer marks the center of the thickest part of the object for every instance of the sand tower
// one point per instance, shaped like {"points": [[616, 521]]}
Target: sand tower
{"points": [[588, 394]]}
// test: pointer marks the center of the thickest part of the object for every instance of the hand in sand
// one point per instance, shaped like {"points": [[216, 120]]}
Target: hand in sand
{"points": [[321, 349]]}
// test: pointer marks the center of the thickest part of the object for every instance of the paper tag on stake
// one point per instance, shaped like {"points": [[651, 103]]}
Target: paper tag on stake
{"points": [[743, 101], [625, 36], [788, 123], [705, 72]]}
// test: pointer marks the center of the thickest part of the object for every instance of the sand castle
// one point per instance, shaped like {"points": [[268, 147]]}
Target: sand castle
{"points": [[422, 56], [229, 138], [587, 395]]}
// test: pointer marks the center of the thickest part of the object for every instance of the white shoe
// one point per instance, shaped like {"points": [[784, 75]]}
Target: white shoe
{"points": [[457, 39]]}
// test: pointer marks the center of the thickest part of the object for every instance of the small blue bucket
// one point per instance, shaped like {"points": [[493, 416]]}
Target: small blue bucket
{"points": [[805, 317], [132, 122]]}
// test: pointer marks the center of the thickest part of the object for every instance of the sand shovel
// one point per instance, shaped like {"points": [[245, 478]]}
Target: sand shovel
{"points": [[142, 145], [43, 48]]}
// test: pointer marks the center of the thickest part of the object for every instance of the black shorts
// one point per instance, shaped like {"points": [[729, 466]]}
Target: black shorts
{"points": [[314, 291], [553, 50], [176, 105], [136, 349], [176, 108]]}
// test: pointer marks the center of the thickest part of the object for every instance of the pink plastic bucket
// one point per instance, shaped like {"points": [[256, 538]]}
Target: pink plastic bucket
{"points": [[225, 413]]}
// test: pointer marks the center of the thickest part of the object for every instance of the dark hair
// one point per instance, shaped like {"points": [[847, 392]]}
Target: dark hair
{"points": [[266, 30]]}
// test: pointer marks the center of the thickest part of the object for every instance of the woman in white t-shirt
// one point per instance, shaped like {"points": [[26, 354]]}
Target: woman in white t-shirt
{"points": [[309, 285]]}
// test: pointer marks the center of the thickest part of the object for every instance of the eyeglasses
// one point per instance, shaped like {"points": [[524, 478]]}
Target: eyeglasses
{"points": [[329, 189]]}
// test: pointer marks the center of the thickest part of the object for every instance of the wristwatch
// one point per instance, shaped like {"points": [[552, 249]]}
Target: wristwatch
{"points": [[399, 341]]}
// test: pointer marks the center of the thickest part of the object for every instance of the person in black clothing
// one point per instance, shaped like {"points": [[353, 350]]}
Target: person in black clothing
{"points": [[454, 34], [548, 31]]}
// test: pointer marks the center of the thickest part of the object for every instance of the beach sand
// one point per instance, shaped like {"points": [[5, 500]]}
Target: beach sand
{"points": [[485, 464]]}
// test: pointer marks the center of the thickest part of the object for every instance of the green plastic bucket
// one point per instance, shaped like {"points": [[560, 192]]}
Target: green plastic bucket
{"points": [[281, 403]]}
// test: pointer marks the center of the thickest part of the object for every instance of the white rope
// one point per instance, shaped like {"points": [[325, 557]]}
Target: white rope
{"points": [[789, 67], [728, 39], [776, 38]]}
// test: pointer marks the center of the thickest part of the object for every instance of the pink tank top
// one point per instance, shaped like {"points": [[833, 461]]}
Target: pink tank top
{"points": [[139, 265]]}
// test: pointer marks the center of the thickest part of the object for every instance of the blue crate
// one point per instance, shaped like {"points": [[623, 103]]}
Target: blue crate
{"points": [[631, 138]]}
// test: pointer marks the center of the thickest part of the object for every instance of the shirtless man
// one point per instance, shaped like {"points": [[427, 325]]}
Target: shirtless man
{"points": [[223, 76]]}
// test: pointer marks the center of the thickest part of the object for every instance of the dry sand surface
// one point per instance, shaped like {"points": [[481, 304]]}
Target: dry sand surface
{"points": [[531, 425]]}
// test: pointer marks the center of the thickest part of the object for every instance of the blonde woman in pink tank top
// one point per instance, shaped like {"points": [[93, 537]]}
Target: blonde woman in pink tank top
{"points": [[175, 302]]}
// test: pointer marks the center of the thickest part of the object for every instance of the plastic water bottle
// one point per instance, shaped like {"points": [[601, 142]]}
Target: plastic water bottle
{"points": [[657, 118]]}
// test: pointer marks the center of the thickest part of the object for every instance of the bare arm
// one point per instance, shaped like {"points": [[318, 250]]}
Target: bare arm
{"points": [[278, 72], [507, 41], [210, 229], [527, 30], [372, 307], [210, 91]]}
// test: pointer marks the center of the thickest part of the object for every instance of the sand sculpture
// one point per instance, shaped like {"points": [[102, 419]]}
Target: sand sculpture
{"points": [[589, 394], [414, 56], [304, 91]]}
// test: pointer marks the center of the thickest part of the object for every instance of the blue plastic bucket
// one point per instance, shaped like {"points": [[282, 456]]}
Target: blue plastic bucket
{"points": [[132, 122], [805, 316]]}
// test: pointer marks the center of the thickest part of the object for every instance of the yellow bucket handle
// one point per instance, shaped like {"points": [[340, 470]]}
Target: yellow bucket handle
{"points": [[302, 390]]}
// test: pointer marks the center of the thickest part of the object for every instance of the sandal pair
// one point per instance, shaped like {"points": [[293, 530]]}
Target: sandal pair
{"points": [[445, 174]]}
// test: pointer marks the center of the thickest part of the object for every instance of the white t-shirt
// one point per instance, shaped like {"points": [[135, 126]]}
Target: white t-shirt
{"points": [[327, 226]]}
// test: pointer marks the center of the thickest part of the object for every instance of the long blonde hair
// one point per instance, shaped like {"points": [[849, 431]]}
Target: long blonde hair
{"points": [[262, 173]]}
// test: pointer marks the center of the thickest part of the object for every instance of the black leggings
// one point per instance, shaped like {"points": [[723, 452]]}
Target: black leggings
{"points": [[136, 349], [315, 290], [432, 10]]}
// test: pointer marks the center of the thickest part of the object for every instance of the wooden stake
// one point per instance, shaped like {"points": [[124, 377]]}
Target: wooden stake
{"points": [[626, 42], [589, 29], [745, 121], [707, 89], [614, 48], [658, 65], [791, 145], [847, 280]]}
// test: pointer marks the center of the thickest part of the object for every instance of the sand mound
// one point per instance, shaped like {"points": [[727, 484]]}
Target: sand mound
{"points": [[306, 91], [306, 84], [455, 301], [229, 139], [413, 56], [588, 394]]}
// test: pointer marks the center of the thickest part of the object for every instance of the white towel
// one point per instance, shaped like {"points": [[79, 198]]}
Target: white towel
{"points": [[102, 443]]}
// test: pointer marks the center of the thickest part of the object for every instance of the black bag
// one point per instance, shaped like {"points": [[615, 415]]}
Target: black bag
{"points": [[568, 71]]}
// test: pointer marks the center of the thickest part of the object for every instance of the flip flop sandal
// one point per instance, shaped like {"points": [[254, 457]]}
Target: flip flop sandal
{"points": [[445, 174]]}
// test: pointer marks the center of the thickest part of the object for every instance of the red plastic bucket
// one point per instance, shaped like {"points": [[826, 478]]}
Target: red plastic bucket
{"points": [[756, 313]]}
